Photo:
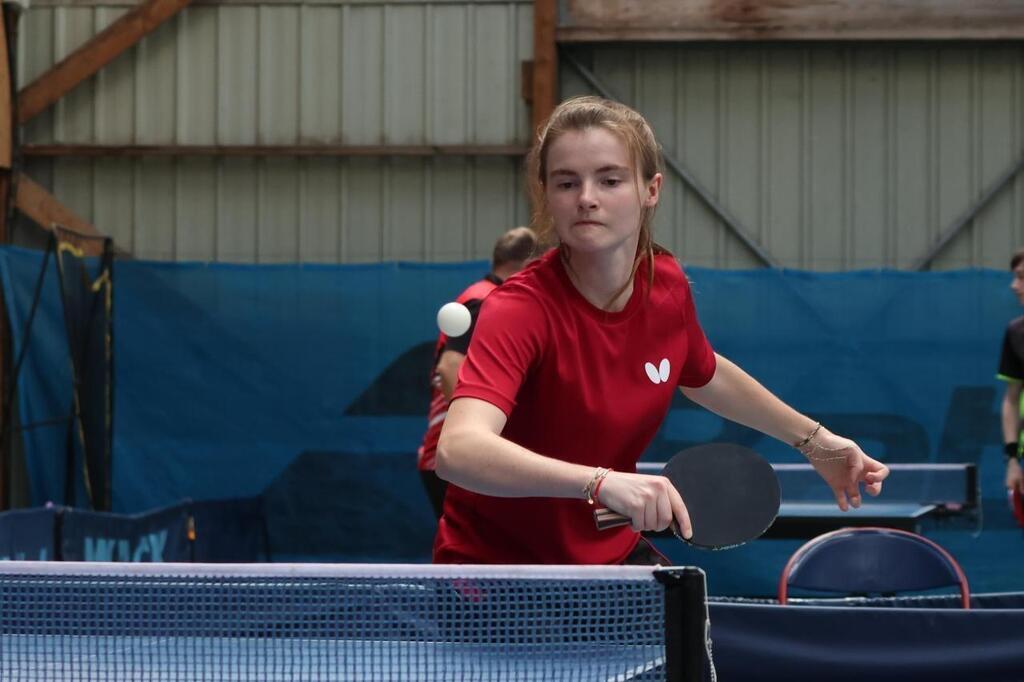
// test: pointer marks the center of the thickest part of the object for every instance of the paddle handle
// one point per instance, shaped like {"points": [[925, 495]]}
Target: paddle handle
{"points": [[606, 518]]}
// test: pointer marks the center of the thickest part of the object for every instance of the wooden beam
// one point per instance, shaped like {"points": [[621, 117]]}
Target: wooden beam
{"points": [[6, 366], [6, 113], [36, 4], [8, 17], [544, 74], [684, 20], [94, 55], [87, 150], [44, 210]]}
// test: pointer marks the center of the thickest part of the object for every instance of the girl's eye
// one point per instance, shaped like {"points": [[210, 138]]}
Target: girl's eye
{"points": [[568, 184], [612, 182]]}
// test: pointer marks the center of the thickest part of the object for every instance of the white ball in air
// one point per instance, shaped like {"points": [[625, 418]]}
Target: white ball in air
{"points": [[454, 319]]}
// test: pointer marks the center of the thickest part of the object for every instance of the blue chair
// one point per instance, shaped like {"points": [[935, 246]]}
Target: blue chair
{"points": [[872, 561]]}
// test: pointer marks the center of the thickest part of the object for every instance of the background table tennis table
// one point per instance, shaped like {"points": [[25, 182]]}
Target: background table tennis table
{"points": [[914, 495]]}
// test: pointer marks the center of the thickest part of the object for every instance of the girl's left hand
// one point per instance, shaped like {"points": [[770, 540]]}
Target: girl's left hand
{"points": [[844, 466]]}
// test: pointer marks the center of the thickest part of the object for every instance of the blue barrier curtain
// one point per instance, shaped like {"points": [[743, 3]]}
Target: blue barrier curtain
{"points": [[226, 374]]}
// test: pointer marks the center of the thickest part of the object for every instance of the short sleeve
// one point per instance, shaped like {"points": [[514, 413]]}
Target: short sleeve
{"points": [[507, 341], [1011, 364], [699, 366]]}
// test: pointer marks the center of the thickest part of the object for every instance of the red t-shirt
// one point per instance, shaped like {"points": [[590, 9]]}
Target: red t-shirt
{"points": [[427, 452], [578, 384]]}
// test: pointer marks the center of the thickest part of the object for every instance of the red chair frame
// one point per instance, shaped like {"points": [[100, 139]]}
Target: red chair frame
{"points": [[809, 548]]}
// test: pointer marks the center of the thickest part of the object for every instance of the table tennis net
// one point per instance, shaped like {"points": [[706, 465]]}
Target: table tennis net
{"points": [[350, 622]]}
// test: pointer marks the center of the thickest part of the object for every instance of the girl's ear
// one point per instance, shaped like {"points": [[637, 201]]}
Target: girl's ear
{"points": [[653, 191]]}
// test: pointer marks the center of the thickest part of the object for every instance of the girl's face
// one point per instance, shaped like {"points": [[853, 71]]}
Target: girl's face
{"points": [[591, 188]]}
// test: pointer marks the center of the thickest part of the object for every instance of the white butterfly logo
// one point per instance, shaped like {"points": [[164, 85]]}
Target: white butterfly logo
{"points": [[658, 374]]}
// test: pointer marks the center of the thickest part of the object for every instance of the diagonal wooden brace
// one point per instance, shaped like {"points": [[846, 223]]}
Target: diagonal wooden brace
{"points": [[44, 210], [84, 62]]}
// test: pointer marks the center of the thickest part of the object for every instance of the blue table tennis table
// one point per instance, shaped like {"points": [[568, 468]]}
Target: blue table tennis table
{"points": [[914, 496], [810, 519]]}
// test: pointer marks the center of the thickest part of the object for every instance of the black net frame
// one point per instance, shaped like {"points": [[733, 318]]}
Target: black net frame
{"points": [[87, 299]]}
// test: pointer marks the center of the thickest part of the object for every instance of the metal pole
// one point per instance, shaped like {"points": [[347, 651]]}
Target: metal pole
{"points": [[960, 223]]}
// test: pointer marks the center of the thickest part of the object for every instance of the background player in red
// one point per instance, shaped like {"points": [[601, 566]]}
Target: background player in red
{"points": [[511, 252], [574, 362]]}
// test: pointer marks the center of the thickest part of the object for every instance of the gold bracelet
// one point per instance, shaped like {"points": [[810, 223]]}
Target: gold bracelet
{"points": [[810, 436], [833, 455], [588, 491], [809, 447]]}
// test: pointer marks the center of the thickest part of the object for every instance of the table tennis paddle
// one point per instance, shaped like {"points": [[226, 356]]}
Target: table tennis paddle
{"points": [[730, 491], [1016, 505]]}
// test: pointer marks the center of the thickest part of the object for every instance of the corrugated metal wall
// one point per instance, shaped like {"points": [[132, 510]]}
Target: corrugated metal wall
{"points": [[362, 73], [835, 156]]}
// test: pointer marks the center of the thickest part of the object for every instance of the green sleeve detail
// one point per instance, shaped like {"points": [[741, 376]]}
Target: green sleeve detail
{"points": [[1020, 402]]}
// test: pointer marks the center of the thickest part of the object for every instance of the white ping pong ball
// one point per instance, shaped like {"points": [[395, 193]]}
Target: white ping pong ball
{"points": [[454, 319]]}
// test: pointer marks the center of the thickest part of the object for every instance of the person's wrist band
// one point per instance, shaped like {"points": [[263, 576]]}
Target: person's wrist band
{"points": [[1012, 451]]}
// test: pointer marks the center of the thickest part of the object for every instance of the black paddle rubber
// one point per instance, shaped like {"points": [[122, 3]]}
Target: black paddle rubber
{"points": [[730, 491]]}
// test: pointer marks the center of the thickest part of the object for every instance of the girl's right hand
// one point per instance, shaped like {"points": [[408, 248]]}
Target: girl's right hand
{"points": [[651, 502]]}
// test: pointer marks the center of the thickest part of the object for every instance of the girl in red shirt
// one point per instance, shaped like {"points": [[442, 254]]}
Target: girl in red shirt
{"points": [[574, 361]]}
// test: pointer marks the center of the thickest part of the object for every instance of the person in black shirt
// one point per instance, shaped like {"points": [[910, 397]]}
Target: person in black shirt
{"points": [[1011, 370]]}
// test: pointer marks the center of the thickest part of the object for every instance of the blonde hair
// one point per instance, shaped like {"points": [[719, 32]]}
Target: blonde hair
{"points": [[580, 114]]}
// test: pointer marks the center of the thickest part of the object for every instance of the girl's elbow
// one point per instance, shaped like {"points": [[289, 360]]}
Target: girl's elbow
{"points": [[443, 464]]}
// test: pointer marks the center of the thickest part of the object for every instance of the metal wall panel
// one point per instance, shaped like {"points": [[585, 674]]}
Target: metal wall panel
{"points": [[283, 210], [834, 156], [345, 73]]}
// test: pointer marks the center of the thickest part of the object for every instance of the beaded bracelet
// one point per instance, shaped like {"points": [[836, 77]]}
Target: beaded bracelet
{"points": [[597, 488], [595, 481]]}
